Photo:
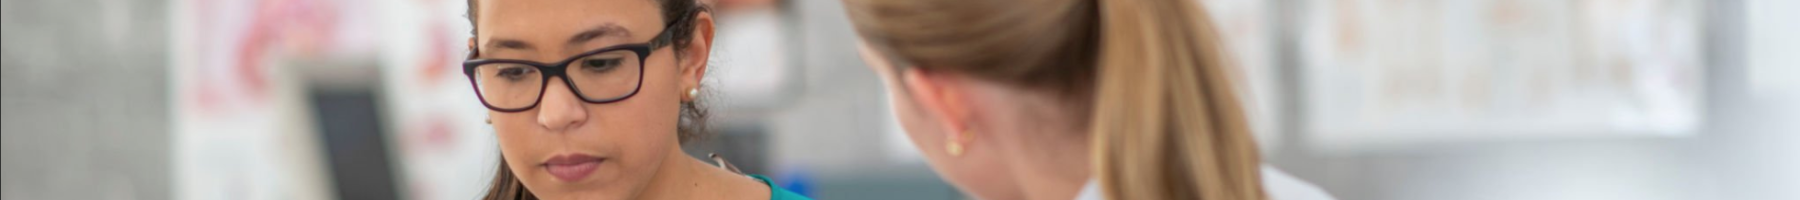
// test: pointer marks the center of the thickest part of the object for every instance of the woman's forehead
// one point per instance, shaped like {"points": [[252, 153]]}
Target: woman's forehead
{"points": [[553, 20]]}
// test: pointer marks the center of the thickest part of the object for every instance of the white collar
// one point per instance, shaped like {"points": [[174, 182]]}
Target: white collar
{"points": [[1090, 191], [1277, 184]]}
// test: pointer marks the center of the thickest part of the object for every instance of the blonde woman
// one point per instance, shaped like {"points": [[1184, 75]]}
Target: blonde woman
{"points": [[1062, 99]]}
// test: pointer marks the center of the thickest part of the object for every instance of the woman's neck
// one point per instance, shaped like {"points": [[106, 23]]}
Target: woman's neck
{"points": [[1053, 165], [683, 177], [1048, 149], [1057, 177]]}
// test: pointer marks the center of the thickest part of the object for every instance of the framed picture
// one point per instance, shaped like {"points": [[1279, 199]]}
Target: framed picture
{"points": [[1404, 72]]}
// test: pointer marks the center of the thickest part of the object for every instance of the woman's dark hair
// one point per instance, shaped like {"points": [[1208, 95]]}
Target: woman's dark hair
{"points": [[506, 186]]}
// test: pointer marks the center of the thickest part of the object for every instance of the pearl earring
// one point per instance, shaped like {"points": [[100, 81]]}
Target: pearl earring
{"points": [[693, 93]]}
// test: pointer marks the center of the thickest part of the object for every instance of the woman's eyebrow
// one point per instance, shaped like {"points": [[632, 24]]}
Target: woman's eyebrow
{"points": [[603, 30], [502, 43]]}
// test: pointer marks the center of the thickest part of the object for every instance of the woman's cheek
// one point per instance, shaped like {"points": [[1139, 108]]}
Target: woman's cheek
{"points": [[514, 132]]}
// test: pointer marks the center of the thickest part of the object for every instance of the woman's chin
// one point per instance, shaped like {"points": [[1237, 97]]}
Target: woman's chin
{"points": [[584, 192], [580, 181]]}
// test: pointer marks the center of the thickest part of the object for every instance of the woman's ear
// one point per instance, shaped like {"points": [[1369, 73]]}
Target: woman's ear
{"points": [[693, 63], [940, 96]]}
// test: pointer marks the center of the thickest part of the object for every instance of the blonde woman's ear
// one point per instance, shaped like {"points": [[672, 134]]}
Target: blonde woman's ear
{"points": [[942, 99]]}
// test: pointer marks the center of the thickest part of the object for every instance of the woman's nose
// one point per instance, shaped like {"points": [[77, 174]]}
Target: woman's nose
{"points": [[560, 109]]}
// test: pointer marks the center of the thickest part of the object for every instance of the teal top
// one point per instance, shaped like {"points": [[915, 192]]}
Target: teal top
{"points": [[776, 192]]}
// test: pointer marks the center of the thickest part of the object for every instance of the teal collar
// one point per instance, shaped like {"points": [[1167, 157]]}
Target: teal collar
{"points": [[776, 192]]}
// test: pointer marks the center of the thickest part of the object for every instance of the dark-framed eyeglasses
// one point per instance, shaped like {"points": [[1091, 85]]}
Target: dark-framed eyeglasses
{"points": [[603, 75]]}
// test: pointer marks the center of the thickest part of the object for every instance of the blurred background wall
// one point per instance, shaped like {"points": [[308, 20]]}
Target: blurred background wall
{"points": [[85, 100], [105, 99], [1743, 148]]}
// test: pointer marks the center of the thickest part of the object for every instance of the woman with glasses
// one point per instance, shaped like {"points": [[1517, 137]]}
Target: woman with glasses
{"points": [[591, 99], [1068, 99]]}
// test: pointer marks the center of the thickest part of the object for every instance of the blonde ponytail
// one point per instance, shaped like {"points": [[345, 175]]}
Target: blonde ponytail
{"points": [[1166, 123], [1147, 74]]}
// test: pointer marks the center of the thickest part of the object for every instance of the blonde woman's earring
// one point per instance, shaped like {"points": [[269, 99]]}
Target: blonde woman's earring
{"points": [[955, 146]]}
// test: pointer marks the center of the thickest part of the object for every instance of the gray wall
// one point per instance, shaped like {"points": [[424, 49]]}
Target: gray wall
{"points": [[85, 99]]}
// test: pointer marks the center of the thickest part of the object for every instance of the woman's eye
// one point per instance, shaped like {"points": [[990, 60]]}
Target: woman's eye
{"points": [[515, 73], [600, 64]]}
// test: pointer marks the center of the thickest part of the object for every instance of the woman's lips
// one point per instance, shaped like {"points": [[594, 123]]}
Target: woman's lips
{"points": [[572, 167]]}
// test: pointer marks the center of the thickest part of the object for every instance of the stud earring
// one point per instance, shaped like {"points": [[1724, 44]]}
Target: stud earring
{"points": [[955, 147], [693, 93]]}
